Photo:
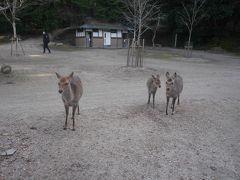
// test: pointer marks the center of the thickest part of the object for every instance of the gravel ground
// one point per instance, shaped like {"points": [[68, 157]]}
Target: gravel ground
{"points": [[119, 136]]}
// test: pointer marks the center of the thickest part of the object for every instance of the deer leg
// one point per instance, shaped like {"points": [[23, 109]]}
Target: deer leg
{"points": [[73, 116], [173, 104], [78, 109], [154, 99], [67, 111], [149, 96], [178, 100], [167, 105]]}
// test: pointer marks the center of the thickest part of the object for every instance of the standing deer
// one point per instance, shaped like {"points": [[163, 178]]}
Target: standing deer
{"points": [[71, 89], [174, 86], [152, 84]]}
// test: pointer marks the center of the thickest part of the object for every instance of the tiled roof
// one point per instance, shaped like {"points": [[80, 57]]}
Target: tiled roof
{"points": [[107, 26]]}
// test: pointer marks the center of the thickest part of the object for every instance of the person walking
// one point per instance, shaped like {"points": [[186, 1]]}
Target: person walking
{"points": [[45, 42]]}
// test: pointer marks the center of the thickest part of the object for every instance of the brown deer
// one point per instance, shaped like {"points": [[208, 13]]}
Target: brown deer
{"points": [[174, 87], [71, 89], [152, 84]]}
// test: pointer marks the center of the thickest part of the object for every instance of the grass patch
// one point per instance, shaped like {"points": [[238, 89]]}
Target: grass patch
{"points": [[160, 55], [65, 47], [4, 39]]}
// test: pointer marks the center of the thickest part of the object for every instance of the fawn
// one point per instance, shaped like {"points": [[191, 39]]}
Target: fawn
{"points": [[174, 87], [71, 89], [152, 84]]}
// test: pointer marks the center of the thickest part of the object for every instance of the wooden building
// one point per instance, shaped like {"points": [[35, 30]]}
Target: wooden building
{"points": [[102, 35]]}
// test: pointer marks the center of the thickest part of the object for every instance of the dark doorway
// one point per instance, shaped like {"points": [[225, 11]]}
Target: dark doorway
{"points": [[88, 39], [125, 40]]}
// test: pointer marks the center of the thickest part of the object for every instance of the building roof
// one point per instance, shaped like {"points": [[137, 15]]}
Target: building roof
{"points": [[108, 26]]}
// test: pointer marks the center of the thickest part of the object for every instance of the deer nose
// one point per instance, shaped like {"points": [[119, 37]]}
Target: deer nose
{"points": [[60, 91], [168, 89]]}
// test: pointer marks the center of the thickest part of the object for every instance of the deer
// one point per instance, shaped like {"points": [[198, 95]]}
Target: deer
{"points": [[174, 87], [70, 87], [152, 84]]}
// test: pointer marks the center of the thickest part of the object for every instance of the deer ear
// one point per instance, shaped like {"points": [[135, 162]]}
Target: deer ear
{"points": [[58, 76], [167, 74], [71, 75], [175, 74], [153, 76], [158, 76]]}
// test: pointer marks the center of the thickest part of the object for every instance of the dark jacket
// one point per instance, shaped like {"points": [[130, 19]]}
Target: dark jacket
{"points": [[45, 38]]}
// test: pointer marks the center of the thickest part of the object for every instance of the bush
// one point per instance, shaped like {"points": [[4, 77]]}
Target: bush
{"points": [[226, 44]]}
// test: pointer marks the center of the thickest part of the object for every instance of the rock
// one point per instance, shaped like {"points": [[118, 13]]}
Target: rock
{"points": [[59, 44], [52, 44], [6, 69], [5, 134], [9, 82], [213, 168], [217, 49], [158, 45], [9, 152], [33, 128]]}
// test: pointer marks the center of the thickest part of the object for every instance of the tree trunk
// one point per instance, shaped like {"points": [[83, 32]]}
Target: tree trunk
{"points": [[14, 30], [14, 18], [153, 39], [129, 49], [155, 32], [133, 51], [175, 41], [189, 37], [137, 58], [189, 43]]}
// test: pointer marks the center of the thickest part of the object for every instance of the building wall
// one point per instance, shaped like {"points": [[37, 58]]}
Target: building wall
{"points": [[116, 42], [97, 38], [97, 42], [81, 41]]}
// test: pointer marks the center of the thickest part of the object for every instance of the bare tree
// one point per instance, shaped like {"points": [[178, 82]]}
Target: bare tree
{"points": [[9, 9], [191, 15], [156, 26], [154, 29], [140, 13], [10, 13], [3, 6]]}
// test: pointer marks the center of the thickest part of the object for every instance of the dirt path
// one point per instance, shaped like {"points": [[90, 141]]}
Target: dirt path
{"points": [[118, 136]]}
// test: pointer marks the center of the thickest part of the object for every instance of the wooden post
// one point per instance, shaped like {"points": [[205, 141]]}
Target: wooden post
{"points": [[188, 50], [133, 51], [16, 39], [142, 52], [15, 42], [175, 42], [21, 46], [11, 46], [128, 58], [143, 43]]}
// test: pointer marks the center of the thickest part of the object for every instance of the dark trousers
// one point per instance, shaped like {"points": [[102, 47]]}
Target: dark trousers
{"points": [[45, 46]]}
